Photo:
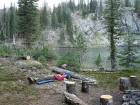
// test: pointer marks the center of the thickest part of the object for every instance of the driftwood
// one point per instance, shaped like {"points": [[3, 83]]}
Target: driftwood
{"points": [[73, 99], [134, 81], [73, 75], [70, 87], [106, 100], [85, 86]]}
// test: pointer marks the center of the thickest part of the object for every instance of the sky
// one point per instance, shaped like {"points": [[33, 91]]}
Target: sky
{"points": [[7, 3]]}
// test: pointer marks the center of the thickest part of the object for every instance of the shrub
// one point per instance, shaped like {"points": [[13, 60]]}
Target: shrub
{"points": [[68, 59], [41, 59], [45, 52], [5, 51]]}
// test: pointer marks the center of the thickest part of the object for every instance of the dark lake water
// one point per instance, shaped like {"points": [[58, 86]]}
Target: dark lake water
{"points": [[91, 54]]}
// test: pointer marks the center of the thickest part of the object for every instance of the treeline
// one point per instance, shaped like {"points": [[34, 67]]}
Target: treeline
{"points": [[27, 21]]}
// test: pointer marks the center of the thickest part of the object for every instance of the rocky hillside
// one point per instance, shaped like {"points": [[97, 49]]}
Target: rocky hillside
{"points": [[93, 30]]}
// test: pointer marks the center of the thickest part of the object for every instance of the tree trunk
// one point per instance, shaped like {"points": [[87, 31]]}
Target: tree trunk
{"points": [[124, 82], [134, 81], [73, 75], [73, 99], [85, 86], [106, 100], [71, 87]]}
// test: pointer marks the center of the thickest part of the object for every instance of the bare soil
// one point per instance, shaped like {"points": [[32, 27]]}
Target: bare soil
{"points": [[52, 93]]}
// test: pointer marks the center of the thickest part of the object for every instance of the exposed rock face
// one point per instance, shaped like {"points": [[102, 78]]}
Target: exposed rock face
{"points": [[93, 30]]}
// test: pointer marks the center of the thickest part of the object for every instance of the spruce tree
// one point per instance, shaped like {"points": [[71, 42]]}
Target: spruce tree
{"points": [[128, 56], [93, 6], [112, 24], [69, 26], [81, 48], [13, 21], [60, 15], [98, 61], [62, 37], [3, 24], [100, 9], [8, 25], [28, 21], [54, 20], [136, 6], [44, 19]]}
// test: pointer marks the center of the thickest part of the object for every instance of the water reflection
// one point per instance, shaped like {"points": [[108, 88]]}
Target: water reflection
{"points": [[91, 54]]}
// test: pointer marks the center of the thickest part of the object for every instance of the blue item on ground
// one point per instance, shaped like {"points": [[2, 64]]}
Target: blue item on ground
{"points": [[68, 74], [44, 81]]}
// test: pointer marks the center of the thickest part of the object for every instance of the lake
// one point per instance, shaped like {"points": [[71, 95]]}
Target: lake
{"points": [[91, 54]]}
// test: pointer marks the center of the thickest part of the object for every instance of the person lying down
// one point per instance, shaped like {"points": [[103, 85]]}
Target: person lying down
{"points": [[48, 78]]}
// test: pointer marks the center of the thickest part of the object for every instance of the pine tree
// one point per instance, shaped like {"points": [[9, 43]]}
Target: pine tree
{"points": [[3, 24], [93, 6], [44, 19], [136, 6], [13, 21], [127, 3], [69, 26], [71, 5], [81, 48], [54, 20], [62, 37], [112, 24], [28, 21], [8, 25], [128, 56], [60, 15], [100, 9], [98, 61], [84, 11]]}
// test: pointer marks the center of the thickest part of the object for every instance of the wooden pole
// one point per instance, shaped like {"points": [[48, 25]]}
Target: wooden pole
{"points": [[124, 82], [134, 81], [85, 86], [71, 87], [106, 100]]}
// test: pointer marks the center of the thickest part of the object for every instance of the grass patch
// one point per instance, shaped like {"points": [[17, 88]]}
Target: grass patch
{"points": [[111, 80], [14, 88]]}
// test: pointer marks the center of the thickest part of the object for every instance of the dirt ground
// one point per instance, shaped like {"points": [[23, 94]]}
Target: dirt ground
{"points": [[54, 94]]}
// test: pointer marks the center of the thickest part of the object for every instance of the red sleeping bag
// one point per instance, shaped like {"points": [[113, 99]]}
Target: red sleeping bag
{"points": [[59, 77]]}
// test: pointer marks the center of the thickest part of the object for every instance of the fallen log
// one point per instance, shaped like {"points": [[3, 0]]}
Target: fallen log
{"points": [[73, 74], [73, 99], [80, 81]]}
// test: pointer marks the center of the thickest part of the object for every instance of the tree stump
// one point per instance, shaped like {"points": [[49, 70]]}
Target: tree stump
{"points": [[106, 100], [70, 87], [85, 86], [124, 83], [26, 57], [134, 81]]}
